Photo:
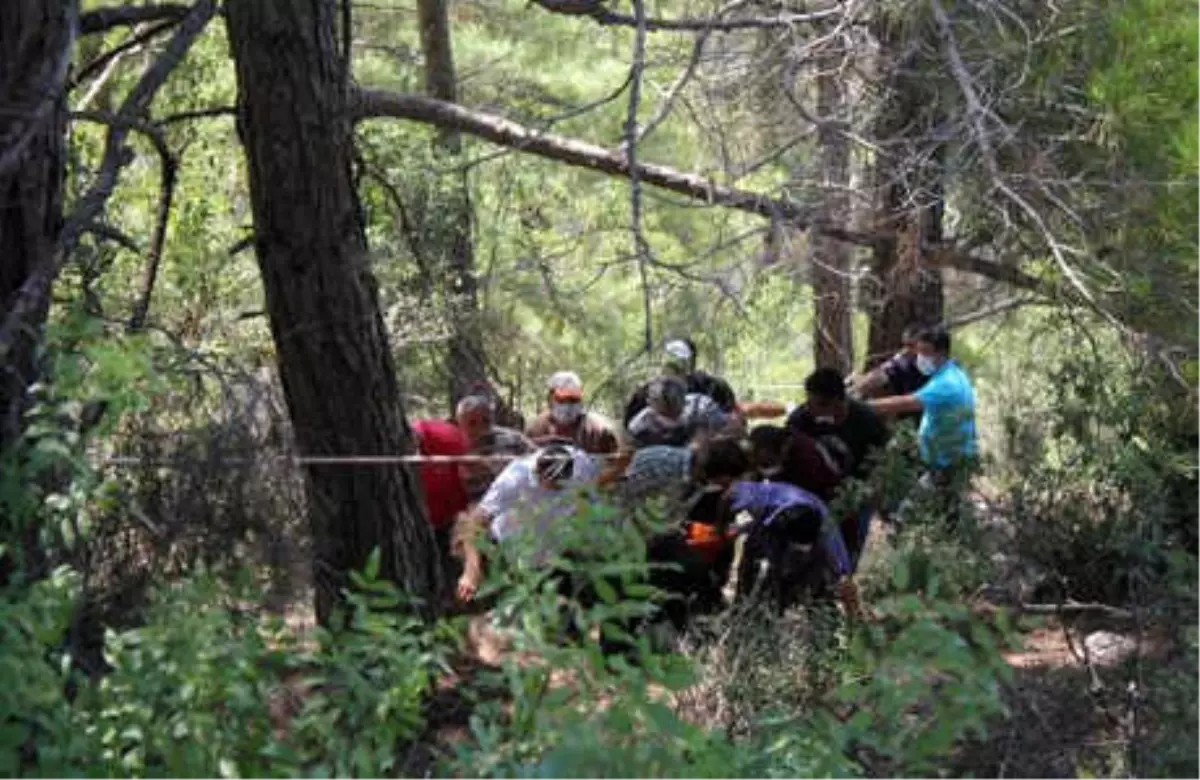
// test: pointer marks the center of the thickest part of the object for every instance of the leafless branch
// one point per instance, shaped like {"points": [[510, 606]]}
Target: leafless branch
{"points": [[168, 171], [977, 114], [104, 19], [199, 113], [110, 233], [676, 89], [641, 246], [599, 13], [36, 288], [1002, 307], [373, 104], [102, 61]]}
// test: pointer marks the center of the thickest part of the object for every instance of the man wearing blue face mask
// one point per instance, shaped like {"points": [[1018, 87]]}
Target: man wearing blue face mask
{"points": [[566, 421], [947, 406]]}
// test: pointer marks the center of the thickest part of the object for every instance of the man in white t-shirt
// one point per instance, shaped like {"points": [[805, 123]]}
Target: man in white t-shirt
{"points": [[530, 499]]}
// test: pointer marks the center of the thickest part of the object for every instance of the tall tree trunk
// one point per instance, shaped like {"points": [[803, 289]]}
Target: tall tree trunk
{"points": [[830, 259], [465, 364], [906, 289], [35, 43], [322, 299]]}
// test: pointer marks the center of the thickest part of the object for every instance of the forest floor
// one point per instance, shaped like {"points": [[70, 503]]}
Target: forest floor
{"points": [[1065, 719]]}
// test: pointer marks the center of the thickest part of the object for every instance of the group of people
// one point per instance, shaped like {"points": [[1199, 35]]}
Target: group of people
{"points": [[689, 453]]}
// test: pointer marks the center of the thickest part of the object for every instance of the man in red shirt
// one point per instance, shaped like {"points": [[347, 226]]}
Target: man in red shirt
{"points": [[445, 491]]}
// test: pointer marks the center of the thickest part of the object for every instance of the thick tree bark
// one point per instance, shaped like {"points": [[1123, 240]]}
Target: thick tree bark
{"points": [[907, 287], [465, 364], [322, 299], [35, 44], [833, 323]]}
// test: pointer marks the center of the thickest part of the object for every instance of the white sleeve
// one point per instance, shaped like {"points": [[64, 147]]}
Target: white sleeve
{"points": [[504, 491], [587, 468]]}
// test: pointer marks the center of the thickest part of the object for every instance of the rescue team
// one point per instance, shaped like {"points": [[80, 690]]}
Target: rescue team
{"points": [[684, 448]]}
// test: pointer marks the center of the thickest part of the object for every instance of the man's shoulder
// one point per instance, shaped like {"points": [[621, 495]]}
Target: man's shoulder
{"points": [[440, 437], [540, 426]]}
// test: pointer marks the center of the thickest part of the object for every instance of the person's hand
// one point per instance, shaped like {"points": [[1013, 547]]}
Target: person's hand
{"points": [[468, 585]]}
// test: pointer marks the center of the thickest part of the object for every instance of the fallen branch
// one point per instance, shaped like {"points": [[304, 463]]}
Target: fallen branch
{"points": [[104, 19], [1076, 608], [35, 291]]}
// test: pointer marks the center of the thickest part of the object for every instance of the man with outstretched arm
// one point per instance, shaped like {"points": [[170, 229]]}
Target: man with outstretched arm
{"points": [[946, 403]]}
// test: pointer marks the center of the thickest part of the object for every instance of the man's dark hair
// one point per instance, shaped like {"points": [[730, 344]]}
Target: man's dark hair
{"points": [[937, 337], [554, 463], [723, 456], [911, 331], [768, 439], [826, 383]]}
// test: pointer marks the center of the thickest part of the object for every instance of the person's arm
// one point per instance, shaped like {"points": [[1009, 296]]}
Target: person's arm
{"points": [[896, 404], [501, 496], [467, 530], [761, 410]]}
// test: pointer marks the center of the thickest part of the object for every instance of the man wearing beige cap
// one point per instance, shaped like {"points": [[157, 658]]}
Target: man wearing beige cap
{"points": [[566, 421]]}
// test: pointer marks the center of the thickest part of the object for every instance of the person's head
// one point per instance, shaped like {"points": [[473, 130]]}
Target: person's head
{"points": [[474, 415], [565, 396], [933, 349], [679, 358], [554, 466], [766, 448], [666, 396], [908, 338], [721, 460], [825, 389]]}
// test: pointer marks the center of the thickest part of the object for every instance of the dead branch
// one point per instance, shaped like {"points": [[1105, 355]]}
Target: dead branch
{"points": [[976, 114], [1077, 608], [168, 171], [200, 113], [599, 13], [1002, 307], [103, 60], [640, 244], [110, 233], [689, 71], [105, 19], [374, 104], [36, 288]]}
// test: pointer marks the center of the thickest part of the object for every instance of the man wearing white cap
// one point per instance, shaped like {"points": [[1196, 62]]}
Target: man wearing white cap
{"points": [[680, 360], [566, 421]]}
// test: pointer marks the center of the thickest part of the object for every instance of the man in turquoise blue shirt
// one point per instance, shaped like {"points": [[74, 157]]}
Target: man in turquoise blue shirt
{"points": [[946, 403]]}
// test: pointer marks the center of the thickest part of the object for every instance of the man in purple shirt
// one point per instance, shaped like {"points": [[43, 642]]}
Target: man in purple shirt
{"points": [[784, 515]]}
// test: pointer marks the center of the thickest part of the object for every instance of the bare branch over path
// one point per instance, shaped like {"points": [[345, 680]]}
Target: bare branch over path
{"points": [[104, 19], [598, 12], [373, 104]]}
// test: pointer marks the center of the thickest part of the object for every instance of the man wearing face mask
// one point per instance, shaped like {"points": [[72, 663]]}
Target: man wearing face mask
{"points": [[947, 405], [566, 421]]}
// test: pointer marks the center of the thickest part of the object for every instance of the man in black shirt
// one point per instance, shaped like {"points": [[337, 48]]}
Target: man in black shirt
{"points": [[680, 361], [898, 375], [848, 428]]}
